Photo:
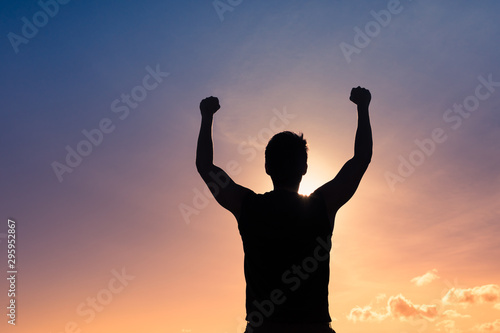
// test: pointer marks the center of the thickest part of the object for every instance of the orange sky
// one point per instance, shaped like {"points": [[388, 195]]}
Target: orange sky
{"points": [[128, 242]]}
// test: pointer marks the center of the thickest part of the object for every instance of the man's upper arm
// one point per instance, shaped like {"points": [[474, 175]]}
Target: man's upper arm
{"points": [[227, 193], [340, 189]]}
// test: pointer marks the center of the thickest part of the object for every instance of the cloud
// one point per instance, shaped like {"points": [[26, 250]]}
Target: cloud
{"points": [[483, 294], [447, 326], [489, 327], [365, 314], [497, 306], [398, 307], [402, 308], [426, 278], [454, 314], [380, 298]]}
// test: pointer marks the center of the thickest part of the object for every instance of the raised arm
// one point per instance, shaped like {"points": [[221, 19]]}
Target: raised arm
{"points": [[363, 144], [227, 193], [339, 190]]}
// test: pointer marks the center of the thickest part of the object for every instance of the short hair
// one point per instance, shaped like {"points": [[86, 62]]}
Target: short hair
{"points": [[286, 156]]}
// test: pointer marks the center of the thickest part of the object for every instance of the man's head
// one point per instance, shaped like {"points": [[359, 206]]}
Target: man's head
{"points": [[286, 158]]}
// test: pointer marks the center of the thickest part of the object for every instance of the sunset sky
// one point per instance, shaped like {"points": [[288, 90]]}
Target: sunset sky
{"points": [[115, 232]]}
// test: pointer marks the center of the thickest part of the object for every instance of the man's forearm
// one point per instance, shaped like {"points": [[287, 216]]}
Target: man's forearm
{"points": [[363, 144], [205, 150]]}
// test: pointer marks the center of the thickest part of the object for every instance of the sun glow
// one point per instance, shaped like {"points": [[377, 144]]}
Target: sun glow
{"points": [[309, 184]]}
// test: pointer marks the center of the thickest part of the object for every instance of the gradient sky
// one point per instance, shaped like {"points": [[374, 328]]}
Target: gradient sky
{"points": [[415, 250]]}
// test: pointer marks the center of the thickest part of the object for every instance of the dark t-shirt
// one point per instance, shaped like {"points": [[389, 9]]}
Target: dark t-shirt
{"points": [[287, 241]]}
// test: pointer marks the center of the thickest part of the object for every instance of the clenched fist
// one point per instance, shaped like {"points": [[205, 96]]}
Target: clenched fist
{"points": [[360, 96], [209, 106]]}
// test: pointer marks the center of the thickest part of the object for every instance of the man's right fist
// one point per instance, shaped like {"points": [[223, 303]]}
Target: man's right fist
{"points": [[360, 96], [209, 106]]}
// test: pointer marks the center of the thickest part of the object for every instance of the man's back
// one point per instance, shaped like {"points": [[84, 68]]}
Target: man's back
{"points": [[287, 240]]}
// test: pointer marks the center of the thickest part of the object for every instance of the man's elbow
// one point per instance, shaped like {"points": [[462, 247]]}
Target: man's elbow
{"points": [[365, 162], [364, 159], [203, 168], [368, 157]]}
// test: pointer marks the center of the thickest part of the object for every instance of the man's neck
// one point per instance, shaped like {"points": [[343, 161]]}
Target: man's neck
{"points": [[290, 188]]}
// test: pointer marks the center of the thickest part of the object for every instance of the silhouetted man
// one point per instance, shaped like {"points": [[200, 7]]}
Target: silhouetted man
{"points": [[286, 236]]}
